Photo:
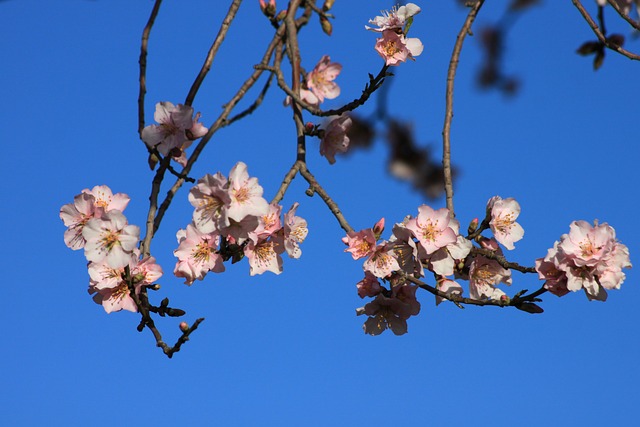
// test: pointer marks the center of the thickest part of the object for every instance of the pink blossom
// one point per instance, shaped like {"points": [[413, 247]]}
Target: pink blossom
{"points": [[321, 79], [210, 198], [369, 286], [395, 19], [484, 275], [443, 260], [295, 231], [406, 251], [555, 279], [588, 258], [432, 228], [106, 201], [268, 224], [264, 256], [197, 254], [75, 216], [112, 291], [361, 244], [245, 194], [382, 262], [395, 48], [176, 126], [335, 139], [391, 312], [110, 238], [503, 221]]}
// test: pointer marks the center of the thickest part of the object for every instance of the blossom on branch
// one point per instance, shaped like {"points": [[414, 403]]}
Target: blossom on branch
{"points": [[394, 19], [503, 221], [111, 238], [320, 80], [176, 128], [432, 228], [588, 258], [334, 138], [395, 48], [197, 254]]}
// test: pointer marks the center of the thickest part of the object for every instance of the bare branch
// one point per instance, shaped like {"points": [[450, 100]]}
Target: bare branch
{"points": [[224, 28], [143, 64], [451, 74], [616, 6], [601, 37], [315, 187]]}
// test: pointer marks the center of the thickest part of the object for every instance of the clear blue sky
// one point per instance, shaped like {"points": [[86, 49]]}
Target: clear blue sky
{"points": [[288, 350]]}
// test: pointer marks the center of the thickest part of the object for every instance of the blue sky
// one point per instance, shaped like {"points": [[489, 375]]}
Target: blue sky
{"points": [[289, 350]]}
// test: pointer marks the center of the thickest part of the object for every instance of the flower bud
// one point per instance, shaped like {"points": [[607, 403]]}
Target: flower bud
{"points": [[184, 326], [326, 25], [473, 226], [378, 228], [328, 4]]}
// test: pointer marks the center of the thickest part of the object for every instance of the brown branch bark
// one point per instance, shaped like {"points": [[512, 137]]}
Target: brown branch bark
{"points": [[222, 32], [143, 64], [446, 131], [601, 37]]}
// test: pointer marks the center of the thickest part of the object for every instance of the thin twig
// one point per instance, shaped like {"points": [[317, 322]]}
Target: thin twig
{"points": [[624, 16], [487, 253], [288, 178], [253, 106], [143, 64], [459, 299], [222, 32], [317, 188], [145, 246], [446, 131], [601, 37]]}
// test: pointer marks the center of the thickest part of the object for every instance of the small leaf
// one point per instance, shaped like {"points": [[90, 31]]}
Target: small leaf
{"points": [[530, 307], [587, 48]]}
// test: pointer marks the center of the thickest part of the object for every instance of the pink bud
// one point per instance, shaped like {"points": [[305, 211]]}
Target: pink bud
{"points": [[184, 326]]}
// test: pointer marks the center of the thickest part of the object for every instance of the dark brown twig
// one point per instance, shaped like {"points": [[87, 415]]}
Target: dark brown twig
{"points": [[317, 188], [143, 64], [222, 32], [623, 15], [601, 37]]}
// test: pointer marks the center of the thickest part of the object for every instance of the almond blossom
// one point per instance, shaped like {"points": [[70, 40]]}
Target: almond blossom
{"points": [[264, 255], [197, 254], [75, 216], [484, 275], [320, 80], [391, 312], [382, 262], [432, 228], [334, 138], [295, 231], [588, 258], [245, 194], [504, 213], [361, 244], [394, 19], [112, 290], [111, 238], [176, 128], [443, 260], [369, 286], [395, 48], [210, 198]]}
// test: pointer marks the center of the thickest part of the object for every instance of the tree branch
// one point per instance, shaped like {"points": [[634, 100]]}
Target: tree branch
{"points": [[446, 131]]}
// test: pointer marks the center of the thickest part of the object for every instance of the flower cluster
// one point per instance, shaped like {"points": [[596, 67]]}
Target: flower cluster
{"points": [[429, 240], [393, 45], [232, 220], [175, 131], [588, 258], [96, 224]]}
